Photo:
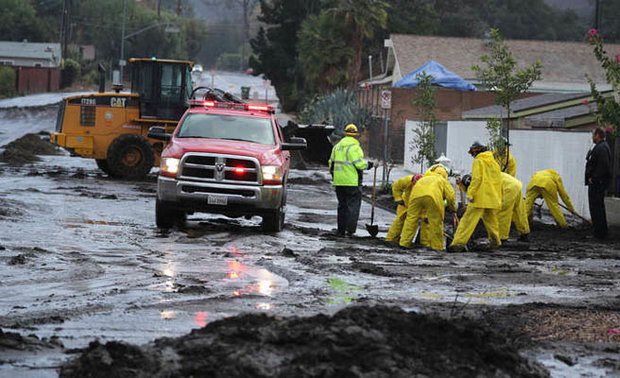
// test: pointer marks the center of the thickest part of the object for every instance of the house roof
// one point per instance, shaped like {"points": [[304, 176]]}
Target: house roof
{"points": [[27, 50], [563, 62], [524, 104]]}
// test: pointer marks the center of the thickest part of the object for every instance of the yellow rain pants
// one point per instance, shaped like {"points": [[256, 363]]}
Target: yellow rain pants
{"points": [[401, 189], [513, 208], [434, 230], [470, 221]]}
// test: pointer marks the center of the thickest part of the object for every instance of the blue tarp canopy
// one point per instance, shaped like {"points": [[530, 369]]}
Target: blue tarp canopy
{"points": [[442, 77]]}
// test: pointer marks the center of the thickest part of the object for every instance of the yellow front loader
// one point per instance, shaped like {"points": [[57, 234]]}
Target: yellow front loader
{"points": [[112, 128]]}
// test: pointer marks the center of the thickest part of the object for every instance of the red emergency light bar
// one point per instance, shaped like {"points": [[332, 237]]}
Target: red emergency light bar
{"points": [[231, 105]]}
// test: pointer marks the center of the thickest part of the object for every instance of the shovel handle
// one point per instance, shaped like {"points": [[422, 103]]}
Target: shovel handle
{"points": [[374, 196]]}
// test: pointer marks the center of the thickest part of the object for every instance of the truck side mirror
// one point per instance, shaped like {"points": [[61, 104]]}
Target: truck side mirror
{"points": [[159, 133], [295, 143]]}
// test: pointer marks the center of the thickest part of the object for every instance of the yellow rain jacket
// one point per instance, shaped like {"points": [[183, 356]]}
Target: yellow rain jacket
{"points": [[427, 198], [513, 208], [511, 167], [346, 159], [548, 184], [485, 190]]}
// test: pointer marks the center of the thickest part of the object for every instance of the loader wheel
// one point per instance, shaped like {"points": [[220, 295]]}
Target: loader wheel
{"points": [[103, 165], [130, 156], [167, 216]]}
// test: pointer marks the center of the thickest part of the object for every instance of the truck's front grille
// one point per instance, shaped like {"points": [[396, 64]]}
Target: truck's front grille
{"points": [[199, 189], [229, 169]]}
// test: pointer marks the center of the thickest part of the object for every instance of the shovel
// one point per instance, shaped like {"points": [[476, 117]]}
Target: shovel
{"points": [[373, 229]]}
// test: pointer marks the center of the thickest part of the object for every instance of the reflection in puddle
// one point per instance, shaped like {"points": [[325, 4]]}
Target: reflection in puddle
{"points": [[167, 315], [200, 319], [253, 280], [264, 306], [169, 271], [343, 292]]}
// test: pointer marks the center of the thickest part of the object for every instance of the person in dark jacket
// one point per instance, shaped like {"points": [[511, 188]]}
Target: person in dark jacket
{"points": [[598, 175]]}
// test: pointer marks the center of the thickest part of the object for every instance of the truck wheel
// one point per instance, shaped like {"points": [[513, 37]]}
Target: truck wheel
{"points": [[167, 216], [103, 165], [274, 222], [130, 156]]}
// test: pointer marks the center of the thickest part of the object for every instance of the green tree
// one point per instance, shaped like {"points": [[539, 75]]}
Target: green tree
{"points": [[608, 108], [362, 18], [18, 21], [323, 53], [275, 47], [411, 17], [7, 82], [424, 136], [501, 76]]}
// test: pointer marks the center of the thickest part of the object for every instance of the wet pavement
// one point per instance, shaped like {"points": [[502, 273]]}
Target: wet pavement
{"points": [[81, 260]]}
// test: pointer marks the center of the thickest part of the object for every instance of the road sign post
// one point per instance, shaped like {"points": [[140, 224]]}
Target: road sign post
{"points": [[386, 105]]}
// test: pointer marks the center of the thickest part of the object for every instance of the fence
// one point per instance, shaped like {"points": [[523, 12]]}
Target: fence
{"points": [[534, 150]]}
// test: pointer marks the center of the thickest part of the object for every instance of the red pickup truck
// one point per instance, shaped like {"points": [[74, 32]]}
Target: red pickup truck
{"points": [[224, 158]]}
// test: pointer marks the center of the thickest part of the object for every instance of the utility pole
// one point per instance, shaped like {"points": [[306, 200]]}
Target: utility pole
{"points": [[64, 32], [121, 62]]}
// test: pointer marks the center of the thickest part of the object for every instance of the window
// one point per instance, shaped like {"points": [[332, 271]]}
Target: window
{"points": [[249, 129]]}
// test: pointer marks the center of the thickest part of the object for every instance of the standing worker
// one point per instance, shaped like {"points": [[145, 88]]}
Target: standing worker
{"points": [[485, 199], [507, 163], [401, 190], [346, 164], [547, 184], [427, 197], [598, 175]]}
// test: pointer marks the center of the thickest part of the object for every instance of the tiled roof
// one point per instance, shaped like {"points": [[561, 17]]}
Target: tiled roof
{"points": [[563, 62], [524, 104]]}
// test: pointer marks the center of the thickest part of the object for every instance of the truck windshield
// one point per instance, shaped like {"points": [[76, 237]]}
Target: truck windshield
{"points": [[215, 126]]}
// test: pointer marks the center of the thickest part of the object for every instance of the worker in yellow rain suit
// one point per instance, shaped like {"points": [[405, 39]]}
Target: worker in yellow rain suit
{"points": [[427, 197], [513, 209], [507, 163], [547, 184], [485, 199], [401, 189]]}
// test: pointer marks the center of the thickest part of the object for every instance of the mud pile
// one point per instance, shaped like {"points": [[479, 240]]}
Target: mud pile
{"points": [[357, 341], [25, 149]]}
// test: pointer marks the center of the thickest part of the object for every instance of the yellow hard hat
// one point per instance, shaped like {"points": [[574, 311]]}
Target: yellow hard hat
{"points": [[350, 130]]}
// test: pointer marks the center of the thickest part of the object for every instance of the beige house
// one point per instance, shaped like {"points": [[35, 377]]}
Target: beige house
{"points": [[565, 64]]}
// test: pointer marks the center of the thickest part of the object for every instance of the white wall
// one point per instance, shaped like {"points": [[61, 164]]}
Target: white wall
{"points": [[534, 150]]}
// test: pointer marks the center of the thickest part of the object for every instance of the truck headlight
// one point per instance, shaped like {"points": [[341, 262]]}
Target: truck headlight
{"points": [[272, 174], [169, 166]]}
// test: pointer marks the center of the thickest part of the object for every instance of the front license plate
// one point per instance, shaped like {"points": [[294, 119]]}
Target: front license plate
{"points": [[217, 200]]}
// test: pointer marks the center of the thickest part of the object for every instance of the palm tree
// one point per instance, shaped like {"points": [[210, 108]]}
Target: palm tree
{"points": [[323, 52], [362, 18]]}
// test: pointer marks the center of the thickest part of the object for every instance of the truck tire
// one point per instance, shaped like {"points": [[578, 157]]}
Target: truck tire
{"points": [[167, 216], [103, 165], [130, 156]]}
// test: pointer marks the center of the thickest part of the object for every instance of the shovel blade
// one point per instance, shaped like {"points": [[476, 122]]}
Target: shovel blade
{"points": [[372, 229]]}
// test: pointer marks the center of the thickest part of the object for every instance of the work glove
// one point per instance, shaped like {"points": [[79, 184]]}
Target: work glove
{"points": [[370, 164]]}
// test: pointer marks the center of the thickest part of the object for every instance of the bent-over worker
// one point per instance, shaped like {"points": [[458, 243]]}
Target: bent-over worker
{"points": [[547, 184], [427, 198], [401, 190]]}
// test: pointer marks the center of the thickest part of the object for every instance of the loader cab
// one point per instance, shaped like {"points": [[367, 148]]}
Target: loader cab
{"points": [[164, 86]]}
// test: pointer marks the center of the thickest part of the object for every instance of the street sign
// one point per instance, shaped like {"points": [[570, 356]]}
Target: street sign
{"points": [[386, 99], [122, 62]]}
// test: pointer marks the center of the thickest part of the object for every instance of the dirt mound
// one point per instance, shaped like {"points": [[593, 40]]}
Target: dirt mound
{"points": [[357, 341], [25, 149], [15, 341]]}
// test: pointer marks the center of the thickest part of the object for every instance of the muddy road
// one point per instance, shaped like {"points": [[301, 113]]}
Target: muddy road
{"points": [[81, 260]]}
